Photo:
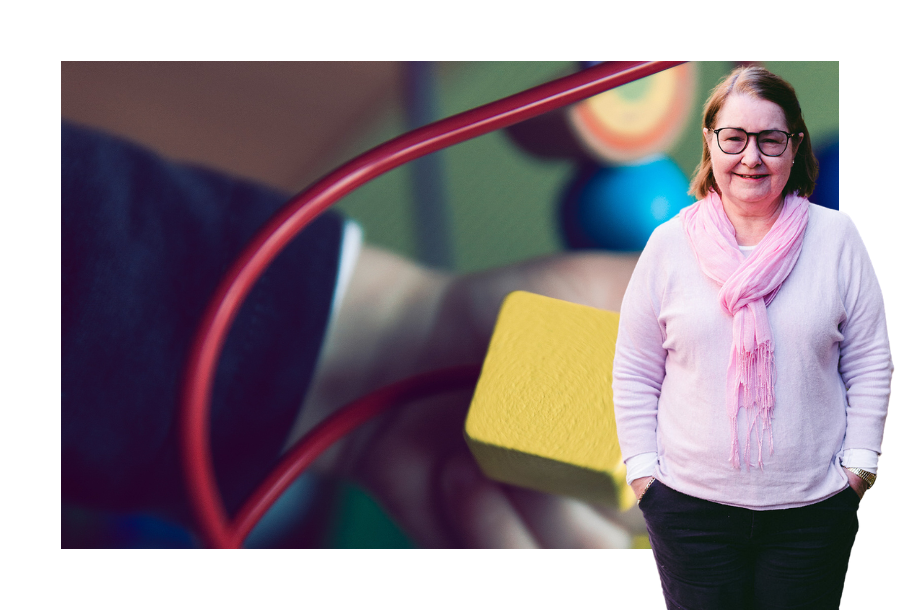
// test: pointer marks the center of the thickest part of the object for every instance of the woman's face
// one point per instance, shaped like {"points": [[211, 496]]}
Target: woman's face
{"points": [[750, 180]]}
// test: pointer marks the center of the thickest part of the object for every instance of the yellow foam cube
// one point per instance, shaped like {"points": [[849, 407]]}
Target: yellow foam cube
{"points": [[542, 413]]}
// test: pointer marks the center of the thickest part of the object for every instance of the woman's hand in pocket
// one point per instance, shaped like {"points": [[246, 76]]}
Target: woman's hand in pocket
{"points": [[639, 485], [858, 485]]}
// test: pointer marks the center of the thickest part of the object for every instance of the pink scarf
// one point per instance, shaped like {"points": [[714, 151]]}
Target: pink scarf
{"points": [[748, 285]]}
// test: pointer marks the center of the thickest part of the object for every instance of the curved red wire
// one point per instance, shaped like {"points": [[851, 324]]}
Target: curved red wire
{"points": [[335, 427], [300, 211]]}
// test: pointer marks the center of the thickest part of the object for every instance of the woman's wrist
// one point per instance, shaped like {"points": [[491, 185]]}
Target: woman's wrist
{"points": [[641, 465]]}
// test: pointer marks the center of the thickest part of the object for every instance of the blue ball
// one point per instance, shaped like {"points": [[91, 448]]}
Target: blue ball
{"points": [[826, 192], [618, 207]]}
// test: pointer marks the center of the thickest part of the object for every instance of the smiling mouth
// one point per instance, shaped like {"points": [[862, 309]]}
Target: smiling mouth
{"points": [[752, 176]]}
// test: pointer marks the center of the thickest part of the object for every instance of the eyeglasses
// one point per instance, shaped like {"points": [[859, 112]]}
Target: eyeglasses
{"points": [[771, 142]]}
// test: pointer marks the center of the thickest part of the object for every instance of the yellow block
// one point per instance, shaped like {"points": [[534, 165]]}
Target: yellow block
{"points": [[542, 413]]}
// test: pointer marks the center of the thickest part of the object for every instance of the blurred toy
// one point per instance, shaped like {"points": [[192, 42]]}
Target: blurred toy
{"points": [[542, 413], [624, 185], [635, 120], [618, 207]]}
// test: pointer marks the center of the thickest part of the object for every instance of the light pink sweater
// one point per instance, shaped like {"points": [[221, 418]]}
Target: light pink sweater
{"points": [[832, 371]]}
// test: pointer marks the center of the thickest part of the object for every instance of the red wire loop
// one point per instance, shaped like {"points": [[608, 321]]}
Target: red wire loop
{"points": [[338, 425], [216, 528]]}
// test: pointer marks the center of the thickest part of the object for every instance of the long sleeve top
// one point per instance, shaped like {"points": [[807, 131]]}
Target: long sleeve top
{"points": [[832, 371]]}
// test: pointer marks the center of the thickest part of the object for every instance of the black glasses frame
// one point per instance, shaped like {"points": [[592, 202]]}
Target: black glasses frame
{"points": [[757, 134]]}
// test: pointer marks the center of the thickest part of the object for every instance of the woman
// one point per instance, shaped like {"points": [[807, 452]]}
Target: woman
{"points": [[752, 369]]}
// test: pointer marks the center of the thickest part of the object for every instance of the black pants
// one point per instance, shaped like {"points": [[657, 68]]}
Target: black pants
{"points": [[711, 556]]}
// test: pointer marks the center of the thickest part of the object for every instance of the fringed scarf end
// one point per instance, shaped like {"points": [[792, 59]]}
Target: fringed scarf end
{"points": [[755, 393]]}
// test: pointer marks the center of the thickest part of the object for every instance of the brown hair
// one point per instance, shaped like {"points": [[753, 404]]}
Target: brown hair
{"points": [[761, 84]]}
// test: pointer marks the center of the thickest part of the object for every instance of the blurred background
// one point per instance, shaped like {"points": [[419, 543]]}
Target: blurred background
{"points": [[599, 174]]}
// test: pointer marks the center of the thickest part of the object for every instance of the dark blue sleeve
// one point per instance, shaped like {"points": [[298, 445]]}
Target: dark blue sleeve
{"points": [[144, 244]]}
